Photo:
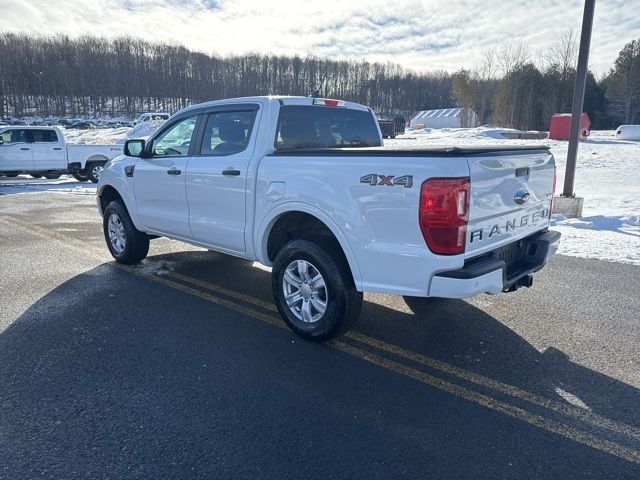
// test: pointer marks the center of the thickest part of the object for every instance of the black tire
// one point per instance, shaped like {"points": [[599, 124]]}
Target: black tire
{"points": [[11, 175], [52, 176], [35, 175], [80, 176], [93, 171], [343, 301], [136, 243]]}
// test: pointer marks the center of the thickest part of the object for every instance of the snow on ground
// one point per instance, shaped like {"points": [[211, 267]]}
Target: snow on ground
{"points": [[607, 176], [96, 137], [612, 238], [144, 129], [110, 135], [25, 184]]}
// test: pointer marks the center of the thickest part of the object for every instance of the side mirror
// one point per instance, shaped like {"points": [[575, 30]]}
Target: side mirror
{"points": [[134, 148], [1, 140]]}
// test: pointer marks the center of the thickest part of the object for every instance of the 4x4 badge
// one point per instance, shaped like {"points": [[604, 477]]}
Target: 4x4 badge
{"points": [[374, 179]]}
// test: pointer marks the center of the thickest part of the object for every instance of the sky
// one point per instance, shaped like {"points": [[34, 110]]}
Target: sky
{"points": [[423, 35]]}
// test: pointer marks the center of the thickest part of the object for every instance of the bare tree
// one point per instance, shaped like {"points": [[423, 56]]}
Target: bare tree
{"points": [[512, 55], [563, 52]]}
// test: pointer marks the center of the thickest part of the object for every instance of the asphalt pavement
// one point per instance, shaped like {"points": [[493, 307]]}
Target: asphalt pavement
{"points": [[181, 368]]}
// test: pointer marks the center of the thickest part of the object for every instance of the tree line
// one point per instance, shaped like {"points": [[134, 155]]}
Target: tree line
{"points": [[90, 75], [511, 88], [94, 76]]}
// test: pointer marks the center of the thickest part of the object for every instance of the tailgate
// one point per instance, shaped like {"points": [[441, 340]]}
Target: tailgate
{"points": [[511, 193]]}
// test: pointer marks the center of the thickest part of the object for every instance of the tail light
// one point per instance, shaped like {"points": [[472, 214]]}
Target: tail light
{"points": [[553, 191], [444, 214]]}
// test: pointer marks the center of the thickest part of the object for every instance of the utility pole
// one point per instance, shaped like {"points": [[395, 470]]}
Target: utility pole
{"points": [[578, 97]]}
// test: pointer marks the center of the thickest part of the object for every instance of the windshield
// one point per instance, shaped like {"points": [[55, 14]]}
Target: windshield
{"points": [[325, 127]]}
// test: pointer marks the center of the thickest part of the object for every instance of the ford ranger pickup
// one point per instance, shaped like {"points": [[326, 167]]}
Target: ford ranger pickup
{"points": [[305, 186]]}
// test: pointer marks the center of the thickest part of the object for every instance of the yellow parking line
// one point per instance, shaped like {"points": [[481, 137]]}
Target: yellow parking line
{"points": [[494, 404], [452, 388], [581, 414], [584, 415], [507, 389], [225, 291]]}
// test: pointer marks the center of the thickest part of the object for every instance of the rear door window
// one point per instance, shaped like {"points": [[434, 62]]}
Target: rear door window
{"points": [[227, 133], [325, 127], [44, 136]]}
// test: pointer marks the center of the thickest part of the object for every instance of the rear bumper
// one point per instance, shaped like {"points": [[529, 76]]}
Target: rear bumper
{"points": [[504, 269]]}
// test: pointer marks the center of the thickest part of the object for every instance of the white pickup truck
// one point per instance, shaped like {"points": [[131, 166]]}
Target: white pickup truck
{"points": [[303, 185], [43, 152]]}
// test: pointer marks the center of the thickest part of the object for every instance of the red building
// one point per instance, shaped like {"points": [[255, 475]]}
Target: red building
{"points": [[561, 126]]}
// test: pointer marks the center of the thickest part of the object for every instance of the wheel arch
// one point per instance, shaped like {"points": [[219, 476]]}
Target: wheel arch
{"points": [[296, 218], [108, 192], [96, 158]]}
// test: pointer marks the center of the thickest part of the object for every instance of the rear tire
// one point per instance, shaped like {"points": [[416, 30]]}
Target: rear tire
{"points": [[127, 244], [11, 175], [322, 299], [94, 170], [35, 175], [80, 176], [52, 176]]}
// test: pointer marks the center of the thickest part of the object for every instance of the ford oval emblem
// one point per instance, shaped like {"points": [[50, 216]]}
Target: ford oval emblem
{"points": [[521, 197]]}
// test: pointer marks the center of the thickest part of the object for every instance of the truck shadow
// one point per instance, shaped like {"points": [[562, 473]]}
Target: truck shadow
{"points": [[121, 325], [448, 330]]}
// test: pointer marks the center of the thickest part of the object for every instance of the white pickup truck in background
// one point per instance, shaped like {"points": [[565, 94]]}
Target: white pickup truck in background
{"points": [[43, 152], [302, 185]]}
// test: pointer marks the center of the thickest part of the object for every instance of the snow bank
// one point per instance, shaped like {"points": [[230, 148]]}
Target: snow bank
{"points": [[466, 134], [144, 129], [106, 136], [615, 238]]}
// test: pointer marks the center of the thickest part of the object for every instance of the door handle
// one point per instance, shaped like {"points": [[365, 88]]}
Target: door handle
{"points": [[23, 148], [231, 172], [174, 171], [57, 148]]}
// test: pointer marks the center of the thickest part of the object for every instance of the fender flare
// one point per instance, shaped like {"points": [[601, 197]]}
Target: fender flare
{"points": [[96, 158], [127, 198], [264, 229]]}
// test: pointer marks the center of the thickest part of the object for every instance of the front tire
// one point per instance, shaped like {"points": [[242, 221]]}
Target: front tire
{"points": [[314, 290], [94, 170], [127, 244]]}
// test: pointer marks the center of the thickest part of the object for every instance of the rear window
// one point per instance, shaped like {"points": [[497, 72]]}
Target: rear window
{"points": [[325, 127]]}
